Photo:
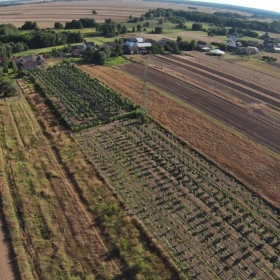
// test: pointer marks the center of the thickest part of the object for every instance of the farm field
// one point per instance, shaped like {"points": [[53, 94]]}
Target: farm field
{"points": [[53, 201], [45, 14], [80, 100], [246, 160], [251, 125], [211, 225], [262, 75]]}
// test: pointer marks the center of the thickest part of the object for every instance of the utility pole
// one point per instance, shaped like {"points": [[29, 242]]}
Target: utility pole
{"points": [[144, 97]]}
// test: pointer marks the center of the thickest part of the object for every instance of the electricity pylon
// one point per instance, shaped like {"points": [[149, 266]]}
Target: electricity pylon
{"points": [[144, 97]]}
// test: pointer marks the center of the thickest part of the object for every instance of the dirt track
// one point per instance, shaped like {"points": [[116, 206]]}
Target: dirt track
{"points": [[239, 119], [8, 269]]}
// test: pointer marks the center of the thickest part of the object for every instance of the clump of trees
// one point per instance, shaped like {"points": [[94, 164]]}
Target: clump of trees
{"points": [[158, 30], [29, 25], [11, 40], [102, 55], [7, 89], [81, 23], [110, 28], [94, 12], [197, 27], [269, 58], [58, 25], [218, 19]]}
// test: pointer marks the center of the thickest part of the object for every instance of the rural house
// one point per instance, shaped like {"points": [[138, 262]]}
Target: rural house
{"points": [[29, 57], [110, 45], [27, 65], [78, 52], [248, 50], [163, 42], [88, 44], [40, 60], [143, 45], [130, 49], [133, 41]]}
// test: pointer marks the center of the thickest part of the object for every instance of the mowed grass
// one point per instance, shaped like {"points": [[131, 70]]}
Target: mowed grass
{"points": [[116, 61], [256, 63]]}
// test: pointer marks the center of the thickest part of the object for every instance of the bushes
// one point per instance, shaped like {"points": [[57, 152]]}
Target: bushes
{"points": [[269, 58]]}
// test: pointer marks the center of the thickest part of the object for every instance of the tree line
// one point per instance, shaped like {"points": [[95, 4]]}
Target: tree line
{"points": [[217, 19], [12, 40]]}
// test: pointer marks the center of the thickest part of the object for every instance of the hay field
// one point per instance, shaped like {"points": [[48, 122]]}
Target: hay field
{"points": [[45, 14]]}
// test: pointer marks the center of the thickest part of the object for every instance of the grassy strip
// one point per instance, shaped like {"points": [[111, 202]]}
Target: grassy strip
{"points": [[9, 210]]}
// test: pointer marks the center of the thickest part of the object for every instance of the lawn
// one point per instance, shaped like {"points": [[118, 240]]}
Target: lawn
{"points": [[38, 51], [116, 61]]}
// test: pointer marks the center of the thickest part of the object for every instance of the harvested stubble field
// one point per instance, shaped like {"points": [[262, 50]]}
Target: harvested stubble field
{"points": [[243, 121], [45, 14], [64, 221], [212, 226], [246, 160]]}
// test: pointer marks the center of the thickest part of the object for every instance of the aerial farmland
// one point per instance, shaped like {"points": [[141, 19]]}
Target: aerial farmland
{"points": [[125, 162]]}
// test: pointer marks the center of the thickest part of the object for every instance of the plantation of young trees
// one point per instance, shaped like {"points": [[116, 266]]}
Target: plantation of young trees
{"points": [[210, 224], [80, 100]]}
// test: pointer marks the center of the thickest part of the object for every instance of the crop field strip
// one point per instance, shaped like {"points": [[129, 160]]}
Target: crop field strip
{"points": [[80, 100], [255, 128], [271, 98], [58, 238], [244, 75], [211, 225], [200, 80]]}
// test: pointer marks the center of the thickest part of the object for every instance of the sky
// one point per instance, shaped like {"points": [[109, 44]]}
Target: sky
{"points": [[271, 5]]}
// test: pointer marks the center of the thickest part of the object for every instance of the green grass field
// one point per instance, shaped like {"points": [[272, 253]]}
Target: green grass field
{"points": [[116, 61]]}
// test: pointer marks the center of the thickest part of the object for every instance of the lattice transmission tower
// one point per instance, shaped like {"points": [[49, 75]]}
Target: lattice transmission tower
{"points": [[144, 97]]}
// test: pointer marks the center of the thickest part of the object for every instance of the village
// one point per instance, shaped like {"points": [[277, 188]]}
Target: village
{"points": [[139, 45]]}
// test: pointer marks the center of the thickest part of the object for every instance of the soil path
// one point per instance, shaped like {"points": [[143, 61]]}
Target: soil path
{"points": [[8, 269]]}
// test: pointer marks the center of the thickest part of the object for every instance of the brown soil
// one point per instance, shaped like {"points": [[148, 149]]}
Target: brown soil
{"points": [[205, 81], [8, 269], [247, 161], [215, 107]]}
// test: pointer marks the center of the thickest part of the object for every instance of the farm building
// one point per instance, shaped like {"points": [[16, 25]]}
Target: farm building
{"points": [[88, 44], [204, 48], [40, 60], [27, 65], [27, 58], [143, 45], [277, 50], [248, 50], [134, 41], [110, 45], [163, 42], [217, 52], [130, 49], [78, 52]]}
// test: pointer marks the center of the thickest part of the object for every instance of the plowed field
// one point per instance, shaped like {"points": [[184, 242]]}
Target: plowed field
{"points": [[236, 154], [258, 129]]}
